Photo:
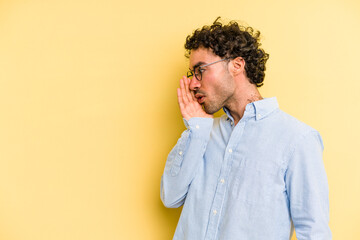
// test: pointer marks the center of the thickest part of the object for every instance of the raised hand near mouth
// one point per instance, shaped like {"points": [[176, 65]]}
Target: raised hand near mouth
{"points": [[189, 106]]}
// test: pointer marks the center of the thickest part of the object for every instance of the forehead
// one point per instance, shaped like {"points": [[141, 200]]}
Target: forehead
{"points": [[202, 56]]}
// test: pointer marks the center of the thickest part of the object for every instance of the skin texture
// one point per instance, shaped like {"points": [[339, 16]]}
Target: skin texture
{"points": [[223, 84]]}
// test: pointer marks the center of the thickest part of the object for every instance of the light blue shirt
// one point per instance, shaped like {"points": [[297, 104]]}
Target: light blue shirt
{"points": [[253, 181]]}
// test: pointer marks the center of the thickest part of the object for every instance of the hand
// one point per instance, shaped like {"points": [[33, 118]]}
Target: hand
{"points": [[189, 106]]}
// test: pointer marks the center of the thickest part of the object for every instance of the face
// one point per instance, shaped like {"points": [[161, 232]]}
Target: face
{"points": [[216, 88]]}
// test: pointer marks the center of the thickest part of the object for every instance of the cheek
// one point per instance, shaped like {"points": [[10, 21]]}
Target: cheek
{"points": [[213, 83]]}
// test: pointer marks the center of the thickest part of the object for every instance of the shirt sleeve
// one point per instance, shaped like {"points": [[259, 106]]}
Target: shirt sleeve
{"points": [[307, 189], [184, 160]]}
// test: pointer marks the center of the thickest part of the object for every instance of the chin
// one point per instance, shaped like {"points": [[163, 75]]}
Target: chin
{"points": [[211, 109]]}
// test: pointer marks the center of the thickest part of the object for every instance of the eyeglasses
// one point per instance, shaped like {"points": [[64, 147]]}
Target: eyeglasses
{"points": [[197, 71]]}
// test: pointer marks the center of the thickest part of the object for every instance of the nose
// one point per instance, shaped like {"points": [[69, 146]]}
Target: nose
{"points": [[194, 84]]}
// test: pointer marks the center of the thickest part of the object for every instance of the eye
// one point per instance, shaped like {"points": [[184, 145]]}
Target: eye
{"points": [[199, 70]]}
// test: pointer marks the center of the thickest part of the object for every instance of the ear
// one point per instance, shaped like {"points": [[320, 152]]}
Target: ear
{"points": [[237, 66]]}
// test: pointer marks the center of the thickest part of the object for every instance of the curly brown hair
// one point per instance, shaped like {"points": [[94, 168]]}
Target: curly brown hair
{"points": [[231, 41]]}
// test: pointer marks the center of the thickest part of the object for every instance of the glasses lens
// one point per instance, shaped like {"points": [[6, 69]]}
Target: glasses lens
{"points": [[189, 74], [197, 73]]}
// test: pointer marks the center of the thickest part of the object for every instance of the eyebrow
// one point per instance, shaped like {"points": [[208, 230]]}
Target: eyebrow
{"points": [[198, 64]]}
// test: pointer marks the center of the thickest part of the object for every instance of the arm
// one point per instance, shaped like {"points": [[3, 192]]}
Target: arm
{"points": [[185, 158], [307, 189], [183, 161]]}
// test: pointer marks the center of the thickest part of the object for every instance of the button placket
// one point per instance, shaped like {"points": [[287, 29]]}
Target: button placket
{"points": [[221, 189]]}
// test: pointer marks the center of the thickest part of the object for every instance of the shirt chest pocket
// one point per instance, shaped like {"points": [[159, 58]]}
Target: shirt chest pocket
{"points": [[256, 181]]}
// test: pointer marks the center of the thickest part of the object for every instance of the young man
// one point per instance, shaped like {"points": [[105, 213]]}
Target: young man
{"points": [[256, 172]]}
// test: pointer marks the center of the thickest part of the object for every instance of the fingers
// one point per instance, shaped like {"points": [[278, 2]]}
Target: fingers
{"points": [[187, 89], [180, 101], [193, 96], [183, 91], [189, 107], [182, 105]]}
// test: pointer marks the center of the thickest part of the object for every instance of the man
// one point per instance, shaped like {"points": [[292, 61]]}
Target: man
{"points": [[256, 172]]}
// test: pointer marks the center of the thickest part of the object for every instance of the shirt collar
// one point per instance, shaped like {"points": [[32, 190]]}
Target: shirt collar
{"points": [[260, 108]]}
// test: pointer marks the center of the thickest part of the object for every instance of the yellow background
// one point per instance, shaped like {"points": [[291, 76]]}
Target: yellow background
{"points": [[89, 110]]}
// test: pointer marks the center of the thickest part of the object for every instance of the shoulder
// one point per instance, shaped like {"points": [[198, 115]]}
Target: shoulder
{"points": [[297, 130], [292, 124]]}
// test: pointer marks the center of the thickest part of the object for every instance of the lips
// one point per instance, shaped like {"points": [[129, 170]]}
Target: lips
{"points": [[200, 98]]}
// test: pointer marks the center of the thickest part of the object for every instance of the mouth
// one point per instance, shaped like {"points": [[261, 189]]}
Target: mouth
{"points": [[200, 98]]}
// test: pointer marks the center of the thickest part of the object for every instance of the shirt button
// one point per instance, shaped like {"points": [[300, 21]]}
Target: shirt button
{"points": [[180, 153], [222, 180], [214, 212], [230, 150], [197, 126], [232, 123], [259, 115]]}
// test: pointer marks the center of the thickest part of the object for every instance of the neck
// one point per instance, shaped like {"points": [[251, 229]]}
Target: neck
{"points": [[241, 98]]}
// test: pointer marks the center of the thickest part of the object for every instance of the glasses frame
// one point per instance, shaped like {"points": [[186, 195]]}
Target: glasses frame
{"points": [[201, 69]]}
